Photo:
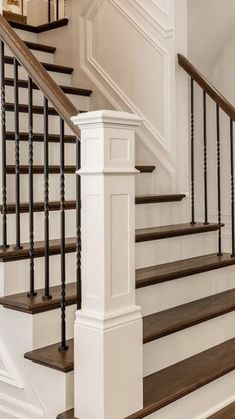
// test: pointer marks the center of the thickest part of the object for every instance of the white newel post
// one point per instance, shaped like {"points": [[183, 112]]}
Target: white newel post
{"points": [[108, 329]]}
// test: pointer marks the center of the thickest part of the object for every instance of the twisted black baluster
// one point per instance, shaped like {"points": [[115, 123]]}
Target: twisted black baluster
{"points": [[218, 178], [31, 193], [205, 158], [57, 9], [47, 295], [78, 227], [63, 346], [3, 125], [22, 7], [232, 188], [192, 155], [17, 152], [49, 11]]}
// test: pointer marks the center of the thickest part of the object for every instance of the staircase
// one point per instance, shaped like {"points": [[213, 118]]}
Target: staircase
{"points": [[184, 281]]}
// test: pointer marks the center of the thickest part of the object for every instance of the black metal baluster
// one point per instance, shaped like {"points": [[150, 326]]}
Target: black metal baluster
{"points": [[22, 7], [232, 188], [3, 130], [49, 11], [78, 226], [218, 178], [57, 9], [17, 152], [31, 192], [47, 295], [205, 157], [192, 155], [63, 346]]}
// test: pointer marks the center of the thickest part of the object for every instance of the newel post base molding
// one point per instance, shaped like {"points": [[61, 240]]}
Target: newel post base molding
{"points": [[108, 328]]}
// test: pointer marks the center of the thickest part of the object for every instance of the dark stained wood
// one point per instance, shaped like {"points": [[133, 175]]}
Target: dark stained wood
{"points": [[11, 254], [224, 104], [66, 89], [182, 268], [51, 357], [153, 199], [33, 305], [178, 318], [23, 108], [39, 207], [14, 17], [40, 47], [41, 28], [146, 169], [227, 413], [38, 73], [52, 138], [67, 415], [10, 169], [48, 66], [175, 230], [172, 383]]}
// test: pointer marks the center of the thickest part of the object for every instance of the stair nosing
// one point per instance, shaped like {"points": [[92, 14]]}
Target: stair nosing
{"points": [[66, 89], [40, 47], [41, 28], [54, 68]]}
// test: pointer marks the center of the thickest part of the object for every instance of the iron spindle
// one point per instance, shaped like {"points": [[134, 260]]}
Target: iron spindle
{"points": [[205, 157], [47, 295], [218, 178], [192, 155], [17, 152], [22, 7], [57, 9], [31, 192], [232, 188], [78, 226], [63, 346], [3, 123], [49, 11]]}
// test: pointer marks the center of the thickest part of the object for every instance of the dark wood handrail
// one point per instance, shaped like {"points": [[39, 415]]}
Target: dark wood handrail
{"points": [[39, 75], [219, 99]]}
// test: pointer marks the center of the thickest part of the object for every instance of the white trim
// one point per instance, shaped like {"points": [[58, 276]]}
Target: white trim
{"points": [[10, 374], [19, 409]]}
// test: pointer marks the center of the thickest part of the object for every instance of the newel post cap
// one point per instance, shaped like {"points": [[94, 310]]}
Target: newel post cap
{"points": [[107, 117]]}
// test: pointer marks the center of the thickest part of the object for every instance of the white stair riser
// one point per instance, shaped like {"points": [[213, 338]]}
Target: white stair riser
{"points": [[42, 56], [11, 282], [176, 347], [202, 403], [42, 329], [61, 398], [81, 102], [183, 290], [54, 217], [159, 214], [168, 250], [27, 36], [144, 183], [54, 187], [54, 123], [60, 78], [54, 153]]}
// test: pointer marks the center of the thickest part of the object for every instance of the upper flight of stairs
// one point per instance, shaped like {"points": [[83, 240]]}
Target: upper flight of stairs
{"points": [[178, 379]]}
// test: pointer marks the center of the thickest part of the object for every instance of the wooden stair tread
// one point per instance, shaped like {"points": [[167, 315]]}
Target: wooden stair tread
{"points": [[155, 326], [37, 109], [52, 138], [59, 360], [148, 199], [172, 383], [39, 206], [33, 305], [169, 321], [41, 28], [227, 413], [39, 169], [175, 230], [14, 17], [11, 254], [40, 47], [48, 66], [66, 89], [146, 168], [182, 268], [67, 415]]}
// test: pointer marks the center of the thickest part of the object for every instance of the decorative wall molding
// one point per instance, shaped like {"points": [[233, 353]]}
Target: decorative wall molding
{"points": [[18, 409], [116, 96], [8, 371], [166, 31], [164, 5]]}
